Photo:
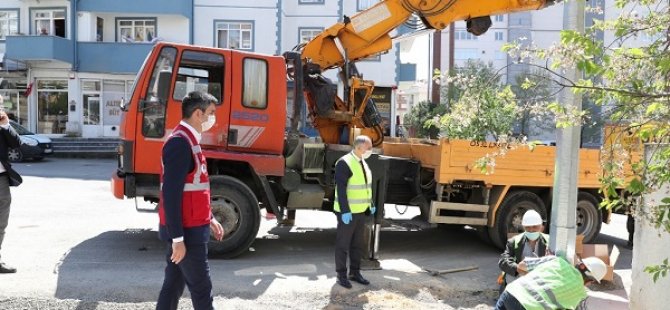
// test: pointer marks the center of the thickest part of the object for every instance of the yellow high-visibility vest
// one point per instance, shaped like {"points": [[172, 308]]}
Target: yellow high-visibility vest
{"points": [[359, 192]]}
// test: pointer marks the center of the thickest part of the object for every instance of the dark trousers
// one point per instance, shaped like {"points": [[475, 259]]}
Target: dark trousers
{"points": [[192, 271], [349, 242], [508, 302], [5, 201]]}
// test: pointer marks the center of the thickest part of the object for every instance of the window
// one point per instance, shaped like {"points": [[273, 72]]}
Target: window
{"points": [[464, 35], [310, 1], [499, 36], [49, 22], [465, 53], [199, 71], [52, 111], [234, 35], [135, 30], [9, 23], [365, 4], [255, 87], [500, 18], [153, 118], [307, 34]]}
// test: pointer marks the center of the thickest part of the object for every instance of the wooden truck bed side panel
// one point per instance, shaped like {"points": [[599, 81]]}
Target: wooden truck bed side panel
{"points": [[456, 160]]}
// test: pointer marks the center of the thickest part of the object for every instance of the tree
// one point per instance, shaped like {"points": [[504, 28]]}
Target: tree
{"points": [[534, 92], [419, 114], [481, 108], [630, 78]]}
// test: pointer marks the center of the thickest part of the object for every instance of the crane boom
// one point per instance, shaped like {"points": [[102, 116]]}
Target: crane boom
{"points": [[367, 33]]}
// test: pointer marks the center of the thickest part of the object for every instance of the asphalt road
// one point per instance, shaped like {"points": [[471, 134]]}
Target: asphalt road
{"points": [[77, 247]]}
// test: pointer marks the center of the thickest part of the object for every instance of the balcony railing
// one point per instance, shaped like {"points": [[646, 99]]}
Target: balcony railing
{"points": [[39, 48], [112, 57], [171, 7]]}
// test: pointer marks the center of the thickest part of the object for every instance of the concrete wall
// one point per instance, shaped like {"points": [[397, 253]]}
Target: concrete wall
{"points": [[651, 248]]}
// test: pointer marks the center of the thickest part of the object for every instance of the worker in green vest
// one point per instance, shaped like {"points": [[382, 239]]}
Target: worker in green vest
{"points": [[353, 199], [531, 243], [552, 283]]}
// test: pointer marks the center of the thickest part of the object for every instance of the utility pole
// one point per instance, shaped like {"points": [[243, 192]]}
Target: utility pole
{"points": [[564, 197], [437, 64]]}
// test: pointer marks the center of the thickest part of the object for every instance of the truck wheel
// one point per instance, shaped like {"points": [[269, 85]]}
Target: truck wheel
{"points": [[589, 218], [510, 213], [235, 206]]}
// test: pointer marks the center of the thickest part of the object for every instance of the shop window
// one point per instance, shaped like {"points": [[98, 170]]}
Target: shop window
{"points": [[199, 71], [155, 99], [52, 112], [49, 22], [91, 102], [255, 87]]}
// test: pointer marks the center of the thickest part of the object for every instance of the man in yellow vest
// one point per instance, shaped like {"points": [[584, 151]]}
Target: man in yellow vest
{"points": [[353, 197], [552, 283]]}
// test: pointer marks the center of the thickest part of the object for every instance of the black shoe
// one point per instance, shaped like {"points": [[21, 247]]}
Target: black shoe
{"points": [[342, 281], [6, 269], [357, 277]]}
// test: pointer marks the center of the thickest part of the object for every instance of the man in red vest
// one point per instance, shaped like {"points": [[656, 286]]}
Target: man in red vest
{"points": [[184, 209]]}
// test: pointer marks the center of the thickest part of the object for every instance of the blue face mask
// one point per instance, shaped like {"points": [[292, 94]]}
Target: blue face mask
{"points": [[532, 235]]}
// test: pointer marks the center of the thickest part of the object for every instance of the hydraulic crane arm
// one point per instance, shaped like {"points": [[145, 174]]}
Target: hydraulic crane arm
{"points": [[366, 34]]}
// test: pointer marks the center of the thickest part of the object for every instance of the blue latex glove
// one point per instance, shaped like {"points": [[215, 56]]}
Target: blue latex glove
{"points": [[373, 210], [346, 217]]}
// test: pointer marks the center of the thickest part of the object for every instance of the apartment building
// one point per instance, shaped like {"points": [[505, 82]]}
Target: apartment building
{"points": [[66, 64]]}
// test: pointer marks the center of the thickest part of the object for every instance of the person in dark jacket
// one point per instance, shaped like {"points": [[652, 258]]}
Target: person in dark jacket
{"points": [[9, 139], [353, 199], [532, 243], [184, 209]]}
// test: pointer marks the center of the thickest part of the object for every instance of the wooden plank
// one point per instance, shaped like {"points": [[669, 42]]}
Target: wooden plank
{"points": [[458, 220], [440, 205]]}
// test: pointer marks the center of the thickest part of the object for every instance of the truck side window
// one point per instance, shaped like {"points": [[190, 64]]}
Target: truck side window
{"points": [[153, 118], [255, 87], [199, 71]]}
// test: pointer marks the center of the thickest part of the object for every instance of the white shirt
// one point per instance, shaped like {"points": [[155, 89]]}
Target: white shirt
{"points": [[195, 133], [2, 168]]}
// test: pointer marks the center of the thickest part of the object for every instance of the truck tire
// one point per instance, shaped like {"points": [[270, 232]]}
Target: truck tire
{"points": [[510, 213], [235, 206], [589, 217]]}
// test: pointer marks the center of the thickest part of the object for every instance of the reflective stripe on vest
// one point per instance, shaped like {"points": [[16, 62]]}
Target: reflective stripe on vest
{"points": [[359, 192]]}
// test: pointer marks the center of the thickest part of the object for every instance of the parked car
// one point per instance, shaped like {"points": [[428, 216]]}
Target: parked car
{"points": [[32, 146]]}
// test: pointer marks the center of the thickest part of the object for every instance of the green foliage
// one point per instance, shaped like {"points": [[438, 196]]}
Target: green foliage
{"points": [[422, 113], [629, 76]]}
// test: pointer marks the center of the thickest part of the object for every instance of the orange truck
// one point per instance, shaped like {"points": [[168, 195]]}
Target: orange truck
{"points": [[255, 163]]}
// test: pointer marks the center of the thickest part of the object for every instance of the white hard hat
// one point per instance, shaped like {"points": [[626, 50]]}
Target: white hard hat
{"points": [[531, 218], [596, 268]]}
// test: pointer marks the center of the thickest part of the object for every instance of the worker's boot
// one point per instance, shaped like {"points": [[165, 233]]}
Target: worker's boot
{"points": [[6, 269], [343, 281], [358, 277]]}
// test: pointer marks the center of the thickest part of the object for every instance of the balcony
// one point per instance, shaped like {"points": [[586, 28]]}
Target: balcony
{"points": [[112, 57], [39, 49], [169, 7]]}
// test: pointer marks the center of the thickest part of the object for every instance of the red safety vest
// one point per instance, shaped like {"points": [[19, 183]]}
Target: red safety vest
{"points": [[195, 205]]}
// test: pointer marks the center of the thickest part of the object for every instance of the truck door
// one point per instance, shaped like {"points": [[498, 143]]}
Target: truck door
{"points": [[258, 104], [175, 73]]}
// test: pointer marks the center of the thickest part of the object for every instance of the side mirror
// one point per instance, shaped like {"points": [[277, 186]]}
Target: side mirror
{"points": [[123, 104]]}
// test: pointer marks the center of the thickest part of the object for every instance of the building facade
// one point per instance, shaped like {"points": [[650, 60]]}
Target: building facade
{"points": [[67, 64]]}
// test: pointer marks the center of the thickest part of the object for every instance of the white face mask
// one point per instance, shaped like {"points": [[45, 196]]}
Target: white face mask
{"points": [[367, 154], [209, 123]]}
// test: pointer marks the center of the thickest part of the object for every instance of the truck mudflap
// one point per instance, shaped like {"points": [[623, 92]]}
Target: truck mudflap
{"points": [[118, 185]]}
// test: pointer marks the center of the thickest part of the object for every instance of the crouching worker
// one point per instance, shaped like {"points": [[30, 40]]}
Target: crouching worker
{"points": [[552, 283]]}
